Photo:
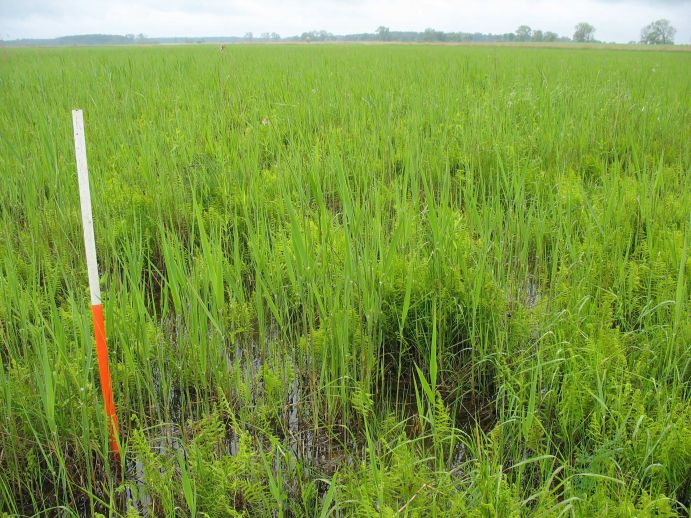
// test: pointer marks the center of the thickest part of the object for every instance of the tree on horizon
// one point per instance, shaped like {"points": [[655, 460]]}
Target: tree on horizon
{"points": [[659, 32], [584, 32]]}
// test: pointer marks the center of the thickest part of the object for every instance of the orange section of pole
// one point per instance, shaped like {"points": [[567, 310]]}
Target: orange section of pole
{"points": [[104, 373]]}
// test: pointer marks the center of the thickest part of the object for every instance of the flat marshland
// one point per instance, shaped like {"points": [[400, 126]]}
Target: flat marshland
{"points": [[349, 281]]}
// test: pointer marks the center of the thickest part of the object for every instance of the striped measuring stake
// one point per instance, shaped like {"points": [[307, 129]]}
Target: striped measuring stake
{"points": [[94, 288]]}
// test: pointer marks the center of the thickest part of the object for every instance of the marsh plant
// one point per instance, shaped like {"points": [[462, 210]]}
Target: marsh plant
{"points": [[349, 281]]}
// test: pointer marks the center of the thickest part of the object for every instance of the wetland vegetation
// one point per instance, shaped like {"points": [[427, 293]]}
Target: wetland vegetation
{"points": [[349, 281]]}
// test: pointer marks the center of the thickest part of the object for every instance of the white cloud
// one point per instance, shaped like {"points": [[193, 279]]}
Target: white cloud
{"points": [[616, 20]]}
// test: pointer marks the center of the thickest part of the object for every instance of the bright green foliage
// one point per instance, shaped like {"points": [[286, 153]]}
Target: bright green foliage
{"points": [[349, 281]]}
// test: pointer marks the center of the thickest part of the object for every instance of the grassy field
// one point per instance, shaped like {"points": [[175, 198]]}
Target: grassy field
{"points": [[349, 281]]}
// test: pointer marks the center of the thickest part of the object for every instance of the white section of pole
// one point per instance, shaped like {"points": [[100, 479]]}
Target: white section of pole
{"points": [[85, 200]]}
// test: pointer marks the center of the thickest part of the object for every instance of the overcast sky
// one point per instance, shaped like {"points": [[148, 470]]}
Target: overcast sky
{"points": [[614, 20]]}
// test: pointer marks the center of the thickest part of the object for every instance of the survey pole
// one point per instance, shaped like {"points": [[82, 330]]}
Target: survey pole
{"points": [[94, 287]]}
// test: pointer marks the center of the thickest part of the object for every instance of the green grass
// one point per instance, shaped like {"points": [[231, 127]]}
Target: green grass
{"points": [[349, 280]]}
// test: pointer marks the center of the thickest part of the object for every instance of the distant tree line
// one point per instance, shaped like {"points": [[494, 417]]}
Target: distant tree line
{"points": [[659, 32], [429, 35]]}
